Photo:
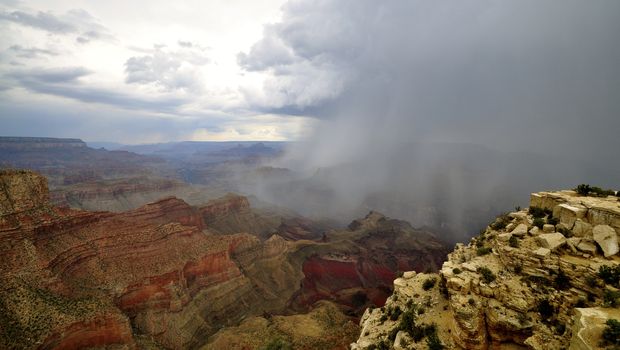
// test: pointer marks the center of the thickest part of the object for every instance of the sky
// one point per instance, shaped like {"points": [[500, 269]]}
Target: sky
{"points": [[529, 75]]}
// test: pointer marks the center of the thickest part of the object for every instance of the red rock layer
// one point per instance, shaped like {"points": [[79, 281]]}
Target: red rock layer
{"points": [[224, 206]]}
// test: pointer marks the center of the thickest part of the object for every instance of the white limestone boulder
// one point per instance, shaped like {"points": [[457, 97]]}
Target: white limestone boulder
{"points": [[606, 238]]}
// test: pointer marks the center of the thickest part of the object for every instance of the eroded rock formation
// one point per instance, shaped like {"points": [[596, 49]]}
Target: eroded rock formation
{"points": [[541, 278]]}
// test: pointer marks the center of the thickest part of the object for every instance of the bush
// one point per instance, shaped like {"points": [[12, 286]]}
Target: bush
{"points": [[539, 222], [433, 342], [552, 221], [610, 275], [611, 333], [500, 222], [582, 189], [561, 281], [429, 283], [537, 212], [395, 313], [545, 309], [518, 269], [610, 298], [513, 241], [585, 190], [456, 270], [487, 275], [483, 251]]}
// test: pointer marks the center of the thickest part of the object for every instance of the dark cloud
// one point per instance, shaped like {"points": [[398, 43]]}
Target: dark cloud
{"points": [[31, 52], [168, 69], [394, 82], [458, 71]]}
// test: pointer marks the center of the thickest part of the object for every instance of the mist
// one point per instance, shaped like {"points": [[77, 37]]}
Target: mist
{"points": [[441, 113]]}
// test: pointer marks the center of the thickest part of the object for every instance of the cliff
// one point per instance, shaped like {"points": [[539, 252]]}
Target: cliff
{"points": [[542, 278], [171, 275]]}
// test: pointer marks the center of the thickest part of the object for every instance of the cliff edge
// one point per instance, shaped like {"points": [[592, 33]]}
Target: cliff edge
{"points": [[545, 277]]}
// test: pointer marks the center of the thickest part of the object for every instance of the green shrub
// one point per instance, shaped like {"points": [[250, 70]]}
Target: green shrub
{"points": [[545, 309], [429, 283], [518, 269], [553, 221], [582, 189], [483, 251], [561, 281], [610, 275], [537, 212], [513, 241], [610, 298], [456, 270], [539, 222], [487, 275], [611, 333], [433, 342], [395, 313], [500, 222]]}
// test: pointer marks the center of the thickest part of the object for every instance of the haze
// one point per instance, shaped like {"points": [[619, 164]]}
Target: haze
{"points": [[393, 105]]}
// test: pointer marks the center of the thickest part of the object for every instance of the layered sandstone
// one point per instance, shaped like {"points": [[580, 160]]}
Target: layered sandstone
{"points": [[171, 275], [515, 285]]}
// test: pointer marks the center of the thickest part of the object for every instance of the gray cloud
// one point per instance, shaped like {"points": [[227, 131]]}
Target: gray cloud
{"points": [[77, 22], [395, 81], [168, 69], [64, 82], [41, 20], [31, 52]]}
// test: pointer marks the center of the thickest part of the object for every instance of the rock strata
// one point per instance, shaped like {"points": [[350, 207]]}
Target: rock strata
{"points": [[549, 289]]}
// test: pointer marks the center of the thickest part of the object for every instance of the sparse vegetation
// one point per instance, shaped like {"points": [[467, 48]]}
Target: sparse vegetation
{"points": [[587, 190], [545, 309], [429, 283], [501, 222], [536, 212], [610, 275], [539, 222], [513, 241], [611, 333], [456, 271], [610, 298], [561, 281], [553, 221], [518, 269], [483, 251], [433, 342], [487, 275]]}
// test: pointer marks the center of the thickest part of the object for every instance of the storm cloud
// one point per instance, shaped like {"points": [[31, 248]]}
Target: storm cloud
{"points": [[403, 86]]}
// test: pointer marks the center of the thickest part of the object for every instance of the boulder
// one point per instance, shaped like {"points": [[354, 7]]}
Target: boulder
{"points": [[548, 228], [542, 252], [504, 237], [582, 229], [587, 247], [605, 236], [568, 214], [535, 231], [520, 230], [551, 241]]}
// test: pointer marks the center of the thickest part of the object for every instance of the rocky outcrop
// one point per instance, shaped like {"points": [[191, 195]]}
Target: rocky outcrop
{"points": [[551, 288], [232, 213], [21, 191]]}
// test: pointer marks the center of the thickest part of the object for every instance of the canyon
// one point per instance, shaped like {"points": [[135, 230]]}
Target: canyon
{"points": [[172, 275]]}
